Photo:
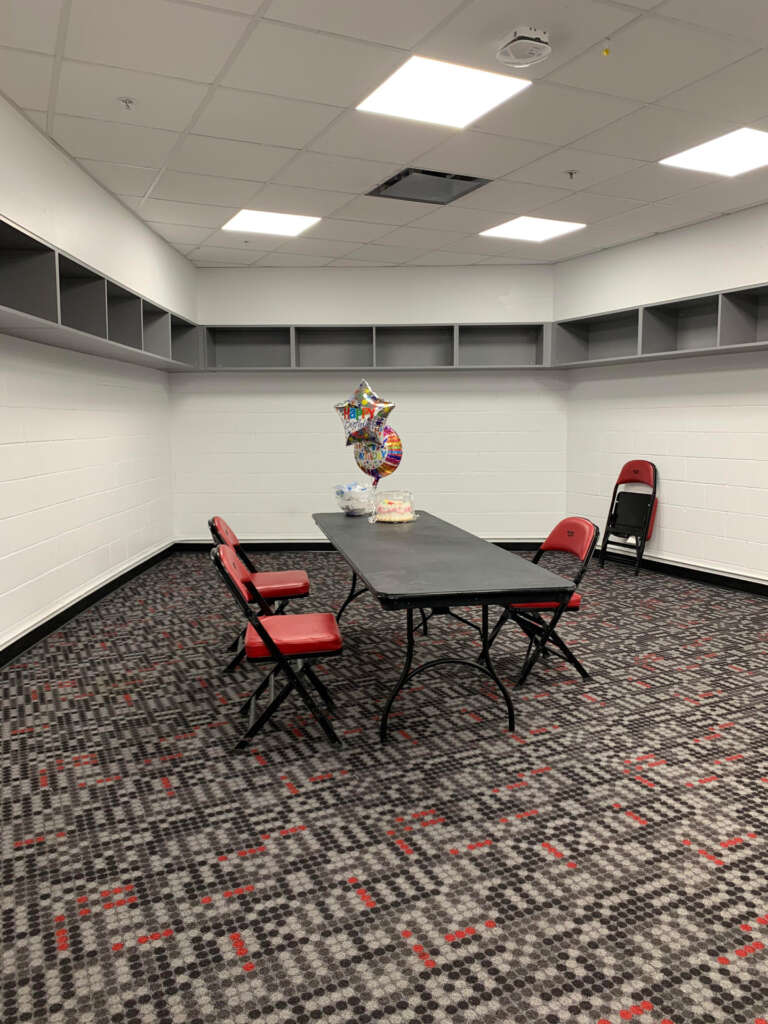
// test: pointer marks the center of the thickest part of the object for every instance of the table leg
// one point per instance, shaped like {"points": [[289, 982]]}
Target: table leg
{"points": [[403, 676], [351, 596]]}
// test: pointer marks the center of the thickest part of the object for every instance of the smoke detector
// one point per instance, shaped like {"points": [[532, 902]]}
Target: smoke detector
{"points": [[527, 46]]}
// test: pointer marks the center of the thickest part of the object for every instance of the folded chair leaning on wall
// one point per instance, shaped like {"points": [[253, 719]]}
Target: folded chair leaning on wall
{"points": [[291, 644], [572, 536], [632, 513]]}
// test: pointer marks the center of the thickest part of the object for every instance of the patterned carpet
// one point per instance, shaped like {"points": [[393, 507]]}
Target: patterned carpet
{"points": [[605, 863]]}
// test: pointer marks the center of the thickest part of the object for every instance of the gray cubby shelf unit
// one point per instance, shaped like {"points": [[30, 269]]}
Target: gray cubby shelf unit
{"points": [[248, 348], [156, 330], [500, 345], [123, 316], [743, 318], [331, 348], [27, 275], [414, 347], [689, 325], [83, 298], [610, 336], [186, 342]]}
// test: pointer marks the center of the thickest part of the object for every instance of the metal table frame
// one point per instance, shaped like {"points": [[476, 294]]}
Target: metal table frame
{"points": [[546, 586]]}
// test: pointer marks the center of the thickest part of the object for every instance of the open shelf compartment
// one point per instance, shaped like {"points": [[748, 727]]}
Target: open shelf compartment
{"points": [[414, 347], [186, 342], [83, 296], [156, 330], [685, 326], [610, 336], [500, 345], [248, 348], [123, 316], [27, 275], [333, 347], [743, 317]]}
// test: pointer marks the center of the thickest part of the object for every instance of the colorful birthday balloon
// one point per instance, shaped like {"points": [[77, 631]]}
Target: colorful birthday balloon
{"points": [[381, 456], [363, 414]]}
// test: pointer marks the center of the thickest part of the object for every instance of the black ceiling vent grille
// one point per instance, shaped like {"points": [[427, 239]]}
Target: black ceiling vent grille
{"points": [[420, 186]]}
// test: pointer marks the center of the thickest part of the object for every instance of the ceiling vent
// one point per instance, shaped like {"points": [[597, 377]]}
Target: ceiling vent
{"points": [[420, 186]]}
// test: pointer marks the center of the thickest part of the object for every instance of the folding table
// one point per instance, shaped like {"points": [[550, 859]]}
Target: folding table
{"points": [[431, 564]]}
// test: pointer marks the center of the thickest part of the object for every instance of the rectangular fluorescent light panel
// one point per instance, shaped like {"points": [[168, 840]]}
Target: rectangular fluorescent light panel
{"points": [[533, 229], [729, 155], [441, 93], [261, 222]]}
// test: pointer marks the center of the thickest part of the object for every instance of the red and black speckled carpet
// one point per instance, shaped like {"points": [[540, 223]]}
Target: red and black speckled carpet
{"points": [[608, 862]]}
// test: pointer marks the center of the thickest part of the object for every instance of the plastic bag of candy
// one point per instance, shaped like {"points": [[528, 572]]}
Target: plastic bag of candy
{"points": [[354, 499]]}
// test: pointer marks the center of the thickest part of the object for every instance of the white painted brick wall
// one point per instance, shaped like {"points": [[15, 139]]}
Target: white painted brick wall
{"points": [[84, 476], [485, 450], [704, 422]]}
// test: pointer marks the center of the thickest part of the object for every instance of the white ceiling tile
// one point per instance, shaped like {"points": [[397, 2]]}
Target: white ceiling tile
{"points": [[182, 234], [113, 143], [288, 61], [377, 137], [182, 248], [476, 32], [308, 202], [237, 240], [509, 261], [743, 18], [445, 259], [421, 238], [652, 182], [386, 255], [510, 197], [481, 155], [204, 188], [30, 24], [25, 78], [205, 155], [91, 90], [650, 58], [167, 212], [379, 210], [122, 179], [586, 208], [737, 93], [590, 168], [39, 118], [397, 22], [553, 113], [209, 255], [240, 6], [292, 259], [153, 35], [347, 230], [351, 263], [462, 219], [653, 133], [343, 173], [646, 5], [252, 117], [318, 247], [483, 245], [731, 193]]}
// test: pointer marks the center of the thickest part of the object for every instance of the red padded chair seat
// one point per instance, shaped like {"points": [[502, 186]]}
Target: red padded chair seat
{"points": [[549, 606], [275, 585], [295, 635]]}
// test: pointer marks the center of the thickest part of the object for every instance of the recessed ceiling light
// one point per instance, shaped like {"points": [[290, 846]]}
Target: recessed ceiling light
{"points": [[729, 155], [261, 222], [441, 93], [533, 229]]}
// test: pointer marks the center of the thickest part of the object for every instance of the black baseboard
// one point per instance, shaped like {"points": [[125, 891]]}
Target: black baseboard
{"points": [[685, 572], [13, 650]]}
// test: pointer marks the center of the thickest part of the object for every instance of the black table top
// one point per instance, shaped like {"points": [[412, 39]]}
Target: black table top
{"points": [[430, 563]]}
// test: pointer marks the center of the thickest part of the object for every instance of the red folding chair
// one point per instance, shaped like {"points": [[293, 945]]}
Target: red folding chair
{"points": [[290, 643], [632, 513], [572, 536]]}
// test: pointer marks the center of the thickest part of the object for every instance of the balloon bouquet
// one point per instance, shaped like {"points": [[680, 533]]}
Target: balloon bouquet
{"points": [[378, 449]]}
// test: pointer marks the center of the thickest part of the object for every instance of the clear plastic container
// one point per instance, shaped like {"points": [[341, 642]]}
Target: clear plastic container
{"points": [[354, 499], [394, 507]]}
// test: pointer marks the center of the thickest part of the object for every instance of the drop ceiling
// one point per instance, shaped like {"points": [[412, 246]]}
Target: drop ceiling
{"points": [[251, 103]]}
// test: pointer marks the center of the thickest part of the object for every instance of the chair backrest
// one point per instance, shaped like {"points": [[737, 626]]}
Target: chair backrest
{"points": [[572, 536], [638, 471], [238, 579], [222, 532]]}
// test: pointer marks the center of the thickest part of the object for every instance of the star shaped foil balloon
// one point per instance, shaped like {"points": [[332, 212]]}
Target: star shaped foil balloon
{"points": [[363, 414]]}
